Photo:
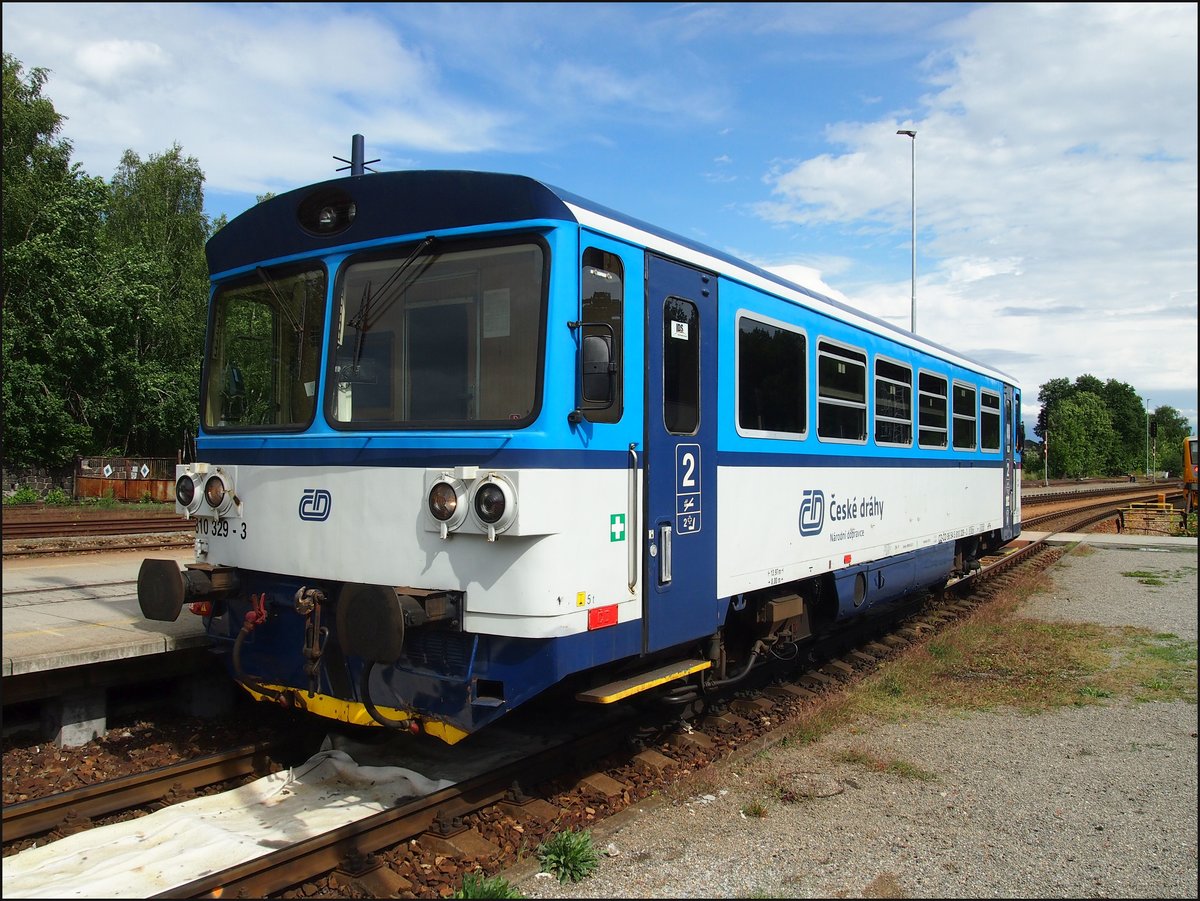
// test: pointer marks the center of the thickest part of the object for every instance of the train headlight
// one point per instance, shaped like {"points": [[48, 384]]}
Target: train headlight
{"points": [[186, 493], [218, 494], [494, 504], [448, 503], [327, 211]]}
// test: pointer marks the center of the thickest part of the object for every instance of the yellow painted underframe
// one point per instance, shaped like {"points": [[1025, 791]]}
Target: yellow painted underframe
{"points": [[354, 713]]}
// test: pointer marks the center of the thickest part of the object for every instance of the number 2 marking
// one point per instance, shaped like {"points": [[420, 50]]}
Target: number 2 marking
{"points": [[689, 465]]}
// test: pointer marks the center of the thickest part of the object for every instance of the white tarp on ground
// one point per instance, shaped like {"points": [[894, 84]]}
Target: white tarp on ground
{"points": [[174, 846]]}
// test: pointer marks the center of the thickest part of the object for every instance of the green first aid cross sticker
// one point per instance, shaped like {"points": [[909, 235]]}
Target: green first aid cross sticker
{"points": [[616, 527]]}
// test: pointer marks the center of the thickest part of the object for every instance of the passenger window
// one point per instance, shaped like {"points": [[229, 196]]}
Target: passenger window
{"points": [[841, 392], [964, 417], [772, 385], [893, 403], [604, 305], [989, 421], [681, 366], [931, 416]]}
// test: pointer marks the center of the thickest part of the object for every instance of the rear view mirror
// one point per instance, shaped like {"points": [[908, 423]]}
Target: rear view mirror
{"points": [[599, 370]]}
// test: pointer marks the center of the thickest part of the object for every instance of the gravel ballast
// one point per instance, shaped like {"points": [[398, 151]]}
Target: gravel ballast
{"points": [[1094, 801]]}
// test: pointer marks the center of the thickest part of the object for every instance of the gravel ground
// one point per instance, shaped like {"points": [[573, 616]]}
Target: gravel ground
{"points": [[1097, 801]]}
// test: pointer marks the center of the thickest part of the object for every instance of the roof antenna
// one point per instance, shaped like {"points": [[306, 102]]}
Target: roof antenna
{"points": [[357, 152]]}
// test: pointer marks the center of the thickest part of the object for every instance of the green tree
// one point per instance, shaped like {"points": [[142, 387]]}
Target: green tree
{"points": [[1172, 428], [1080, 435], [105, 291], [1089, 383], [54, 329], [1049, 396], [155, 234], [1127, 454], [36, 162]]}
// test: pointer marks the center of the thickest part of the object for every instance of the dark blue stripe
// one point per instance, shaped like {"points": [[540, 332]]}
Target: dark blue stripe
{"points": [[514, 458]]}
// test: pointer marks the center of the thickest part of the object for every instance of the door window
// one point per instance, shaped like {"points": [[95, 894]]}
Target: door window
{"points": [[681, 366]]}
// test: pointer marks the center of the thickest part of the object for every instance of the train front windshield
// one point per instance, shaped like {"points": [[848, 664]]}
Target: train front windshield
{"points": [[429, 336], [440, 337], [264, 352]]}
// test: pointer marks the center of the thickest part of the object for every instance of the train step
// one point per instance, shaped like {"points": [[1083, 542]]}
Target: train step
{"points": [[623, 688]]}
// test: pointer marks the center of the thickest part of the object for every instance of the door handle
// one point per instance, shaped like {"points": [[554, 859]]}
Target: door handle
{"points": [[664, 556]]}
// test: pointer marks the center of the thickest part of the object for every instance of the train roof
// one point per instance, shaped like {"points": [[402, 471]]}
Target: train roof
{"points": [[424, 201]]}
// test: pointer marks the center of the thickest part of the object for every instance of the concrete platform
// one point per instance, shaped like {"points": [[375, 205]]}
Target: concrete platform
{"points": [[1106, 539], [73, 630], [61, 612]]}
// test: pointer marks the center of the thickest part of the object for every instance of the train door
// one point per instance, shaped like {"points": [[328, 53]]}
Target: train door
{"points": [[680, 467], [1012, 482]]}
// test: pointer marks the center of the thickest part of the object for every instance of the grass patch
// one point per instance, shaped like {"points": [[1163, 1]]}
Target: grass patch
{"points": [[1144, 577], [895, 766], [996, 659], [477, 885], [570, 855], [755, 809]]}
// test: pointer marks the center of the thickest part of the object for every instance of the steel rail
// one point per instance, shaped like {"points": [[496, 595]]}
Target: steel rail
{"points": [[27, 818], [278, 870], [65, 527]]}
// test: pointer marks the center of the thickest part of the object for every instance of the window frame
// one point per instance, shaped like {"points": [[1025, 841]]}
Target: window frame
{"points": [[879, 417], [670, 359], [841, 402], [749, 432], [956, 417], [467, 245], [994, 411], [613, 412], [945, 396]]}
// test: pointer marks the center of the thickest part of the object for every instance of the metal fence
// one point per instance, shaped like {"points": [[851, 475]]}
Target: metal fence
{"points": [[126, 478]]}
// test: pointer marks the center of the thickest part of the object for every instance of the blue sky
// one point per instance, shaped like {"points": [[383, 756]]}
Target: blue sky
{"points": [[1055, 158]]}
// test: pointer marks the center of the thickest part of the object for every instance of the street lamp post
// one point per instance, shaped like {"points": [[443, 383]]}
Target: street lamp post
{"points": [[913, 135], [1146, 404]]}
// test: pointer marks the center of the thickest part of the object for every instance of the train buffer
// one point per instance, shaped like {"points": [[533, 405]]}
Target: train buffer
{"points": [[1152, 517]]}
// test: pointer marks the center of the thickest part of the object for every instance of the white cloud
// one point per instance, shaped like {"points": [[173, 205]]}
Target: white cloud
{"points": [[1055, 174], [808, 276], [258, 94], [121, 61]]}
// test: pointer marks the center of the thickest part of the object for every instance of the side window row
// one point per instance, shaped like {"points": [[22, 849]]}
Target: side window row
{"points": [[772, 394]]}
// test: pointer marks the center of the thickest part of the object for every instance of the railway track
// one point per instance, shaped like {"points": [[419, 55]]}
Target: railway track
{"points": [[69, 527], [417, 845], [68, 812], [424, 845]]}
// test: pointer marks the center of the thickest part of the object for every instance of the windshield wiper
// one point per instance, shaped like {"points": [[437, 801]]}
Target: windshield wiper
{"points": [[367, 316], [296, 327]]}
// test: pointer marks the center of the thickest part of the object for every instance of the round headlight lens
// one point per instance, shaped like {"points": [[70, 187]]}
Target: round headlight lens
{"points": [[185, 490], [490, 503], [443, 501], [214, 491]]}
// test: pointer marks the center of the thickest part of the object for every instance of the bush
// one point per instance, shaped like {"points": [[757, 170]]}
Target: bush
{"points": [[56, 497], [477, 885], [22, 495], [569, 855]]}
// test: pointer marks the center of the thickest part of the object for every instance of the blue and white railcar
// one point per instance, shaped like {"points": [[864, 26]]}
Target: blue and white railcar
{"points": [[465, 436]]}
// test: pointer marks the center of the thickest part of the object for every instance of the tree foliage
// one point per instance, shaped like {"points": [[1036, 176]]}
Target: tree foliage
{"points": [[1167, 448], [1080, 435], [105, 290], [1100, 429]]}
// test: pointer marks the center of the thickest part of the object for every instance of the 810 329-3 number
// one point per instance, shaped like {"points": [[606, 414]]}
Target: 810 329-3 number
{"points": [[219, 529]]}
